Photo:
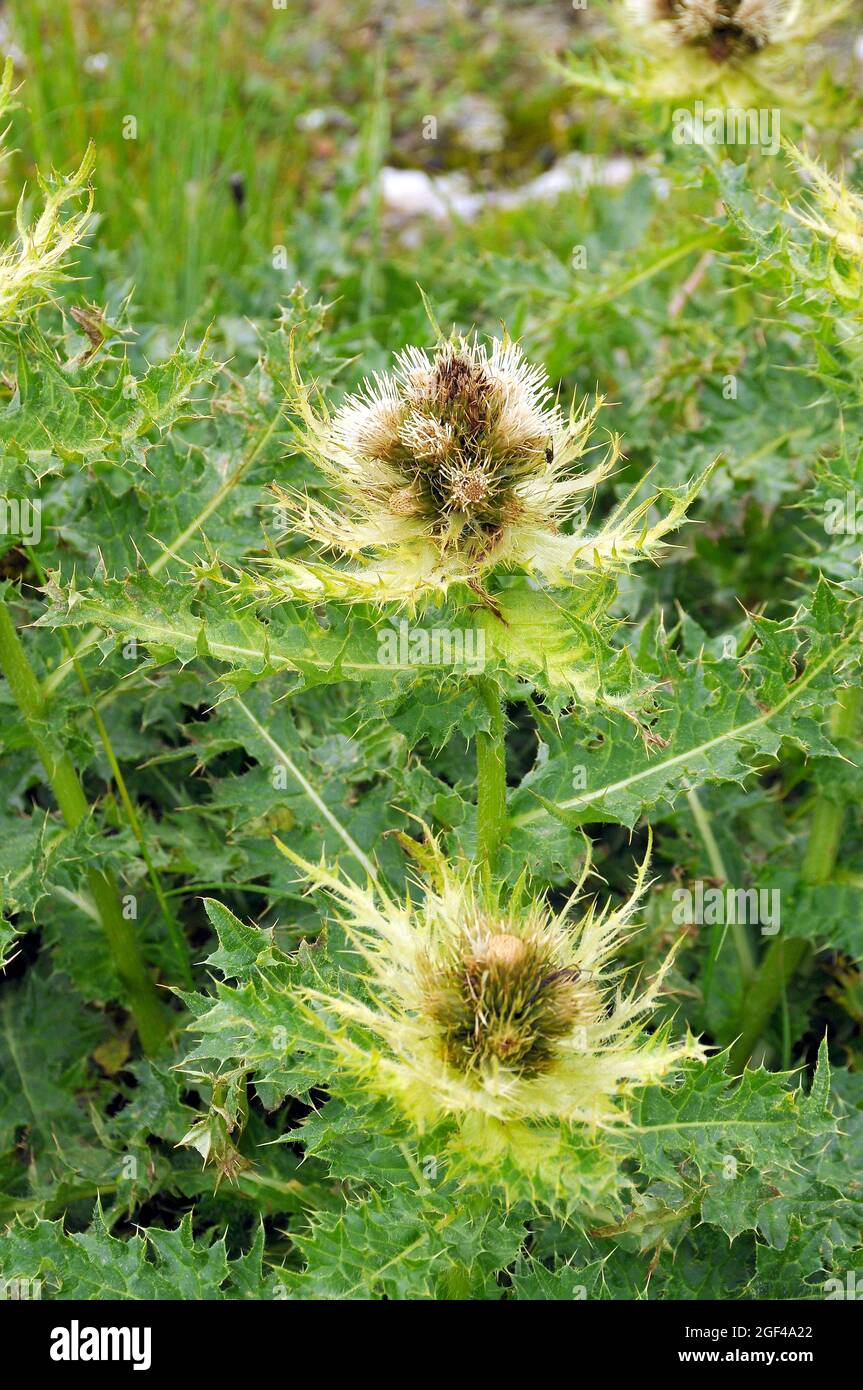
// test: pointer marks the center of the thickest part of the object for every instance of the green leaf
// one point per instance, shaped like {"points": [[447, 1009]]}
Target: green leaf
{"points": [[724, 717], [96, 414], [152, 1264], [239, 945], [407, 1246]]}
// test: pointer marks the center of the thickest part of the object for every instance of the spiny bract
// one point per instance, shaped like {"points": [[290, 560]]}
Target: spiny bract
{"points": [[35, 261], [456, 463], [489, 1014], [835, 215]]}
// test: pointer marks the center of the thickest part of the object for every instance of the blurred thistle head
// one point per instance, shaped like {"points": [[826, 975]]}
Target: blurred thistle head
{"points": [[492, 1017], [457, 462], [725, 29], [739, 50]]}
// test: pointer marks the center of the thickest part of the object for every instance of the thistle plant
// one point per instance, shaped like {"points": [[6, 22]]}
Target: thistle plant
{"points": [[345, 967], [453, 470], [481, 1012]]}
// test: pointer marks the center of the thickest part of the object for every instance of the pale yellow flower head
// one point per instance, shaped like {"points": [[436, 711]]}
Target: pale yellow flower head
{"points": [[457, 462], [509, 1021]]}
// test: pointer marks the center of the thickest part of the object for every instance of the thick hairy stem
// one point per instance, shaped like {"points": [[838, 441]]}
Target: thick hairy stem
{"points": [[491, 819], [785, 955], [150, 1018]]}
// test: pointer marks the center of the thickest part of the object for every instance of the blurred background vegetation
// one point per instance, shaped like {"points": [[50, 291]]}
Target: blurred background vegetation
{"points": [[256, 125]]}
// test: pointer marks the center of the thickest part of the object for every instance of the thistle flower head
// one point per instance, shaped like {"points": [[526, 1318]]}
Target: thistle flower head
{"points": [[455, 463], [502, 997], [449, 439], [737, 49], [725, 29], [495, 1018]]}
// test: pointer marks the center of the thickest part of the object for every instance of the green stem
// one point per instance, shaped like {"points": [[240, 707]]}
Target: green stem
{"points": [[784, 956], [491, 818], [175, 931], [150, 1018], [825, 832]]}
